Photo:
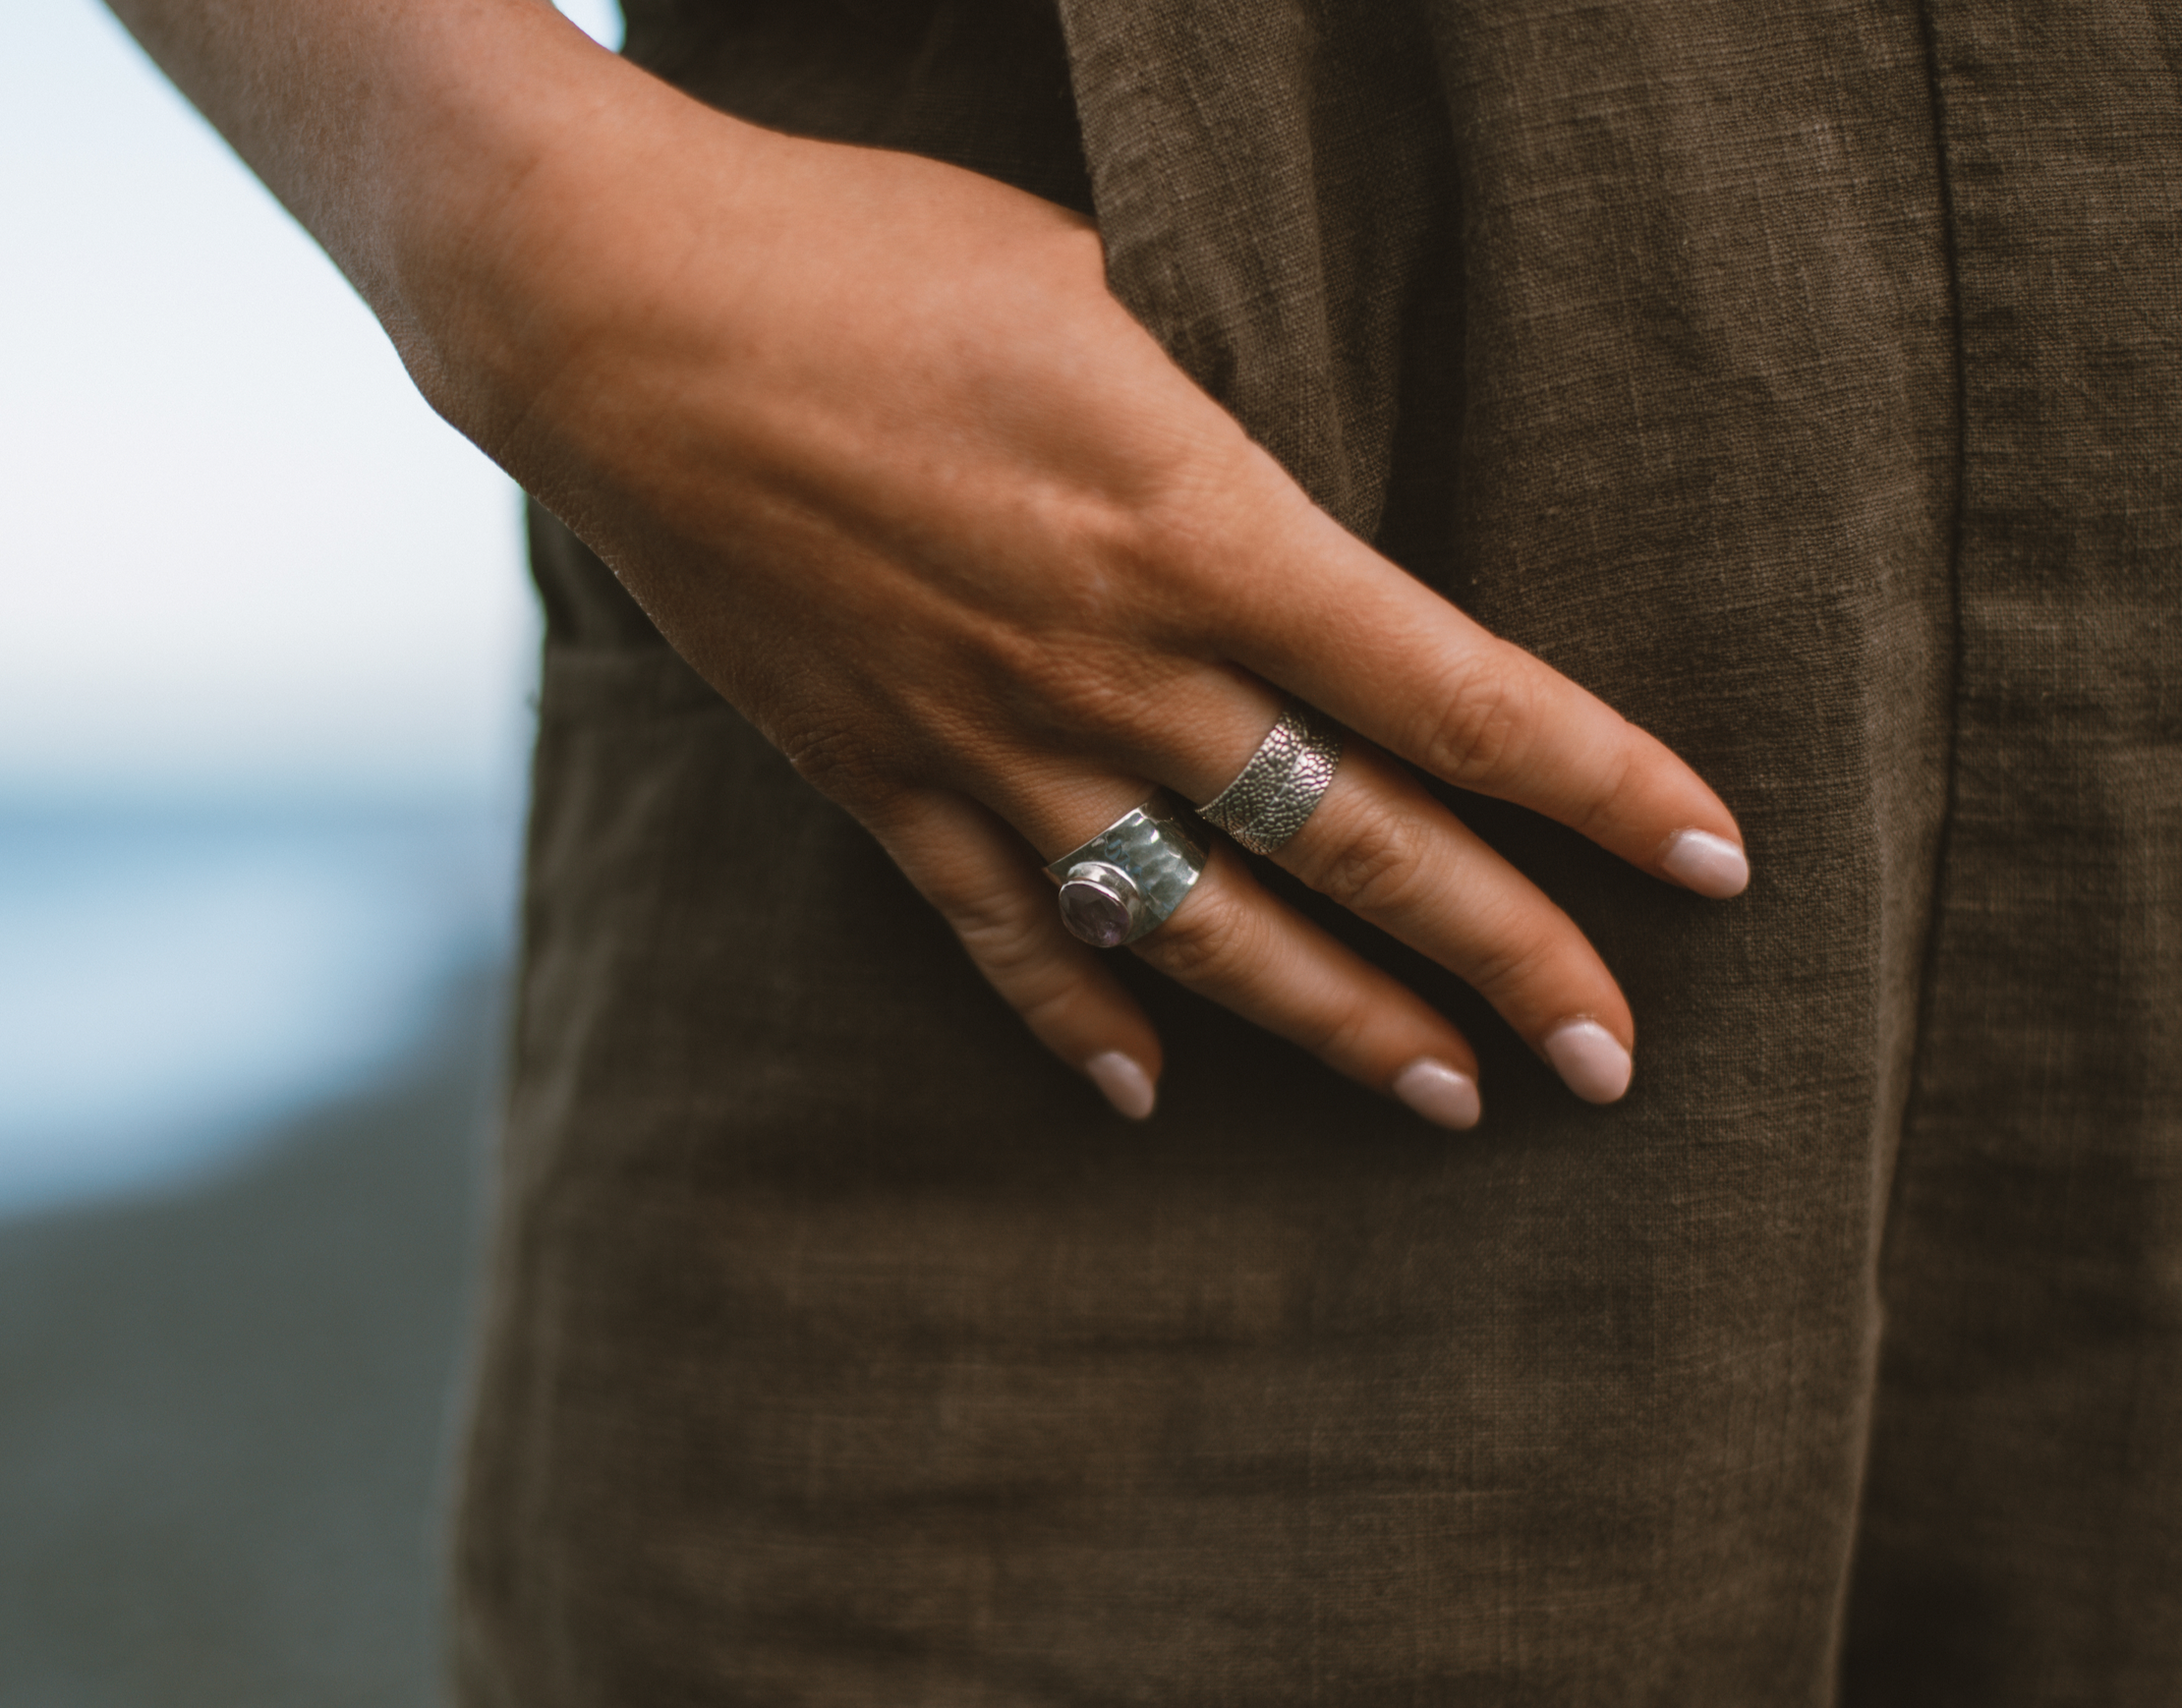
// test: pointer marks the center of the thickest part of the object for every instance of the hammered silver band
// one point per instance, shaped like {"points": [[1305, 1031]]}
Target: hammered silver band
{"points": [[1124, 882], [1281, 788]]}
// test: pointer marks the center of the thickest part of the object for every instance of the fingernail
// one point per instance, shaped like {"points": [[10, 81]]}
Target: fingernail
{"points": [[1589, 1058], [1709, 865], [1438, 1093], [1127, 1086]]}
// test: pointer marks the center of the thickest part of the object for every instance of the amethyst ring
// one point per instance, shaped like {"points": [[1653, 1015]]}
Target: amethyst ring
{"points": [[1124, 882]]}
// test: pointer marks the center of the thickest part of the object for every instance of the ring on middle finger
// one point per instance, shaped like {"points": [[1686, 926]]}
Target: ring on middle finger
{"points": [[1281, 786]]}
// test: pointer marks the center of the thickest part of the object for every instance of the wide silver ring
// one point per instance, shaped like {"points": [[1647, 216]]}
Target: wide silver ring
{"points": [[1124, 882], [1281, 788]]}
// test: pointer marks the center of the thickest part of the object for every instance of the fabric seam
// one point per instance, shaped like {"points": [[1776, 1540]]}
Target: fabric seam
{"points": [[1929, 974]]}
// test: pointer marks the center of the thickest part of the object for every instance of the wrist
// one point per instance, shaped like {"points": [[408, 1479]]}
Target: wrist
{"points": [[466, 204], [534, 225]]}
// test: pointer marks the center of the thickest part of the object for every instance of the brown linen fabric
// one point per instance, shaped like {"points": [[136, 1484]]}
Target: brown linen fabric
{"points": [[1806, 380]]}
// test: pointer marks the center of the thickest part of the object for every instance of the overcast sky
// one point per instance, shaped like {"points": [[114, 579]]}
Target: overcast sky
{"points": [[239, 553]]}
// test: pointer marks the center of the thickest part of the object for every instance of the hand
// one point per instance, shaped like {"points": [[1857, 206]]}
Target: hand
{"points": [[870, 441]]}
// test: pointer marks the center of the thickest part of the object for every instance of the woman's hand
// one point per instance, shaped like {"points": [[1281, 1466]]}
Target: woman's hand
{"points": [[875, 448]]}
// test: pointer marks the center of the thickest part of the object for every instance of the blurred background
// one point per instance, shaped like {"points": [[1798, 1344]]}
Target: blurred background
{"points": [[265, 648]]}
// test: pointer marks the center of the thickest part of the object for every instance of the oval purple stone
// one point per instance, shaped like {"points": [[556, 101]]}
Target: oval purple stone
{"points": [[1094, 913]]}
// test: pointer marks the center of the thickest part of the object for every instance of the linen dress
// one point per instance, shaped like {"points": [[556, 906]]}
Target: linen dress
{"points": [[1806, 379]]}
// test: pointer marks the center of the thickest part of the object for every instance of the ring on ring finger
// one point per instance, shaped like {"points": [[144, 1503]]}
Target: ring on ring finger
{"points": [[1124, 883]]}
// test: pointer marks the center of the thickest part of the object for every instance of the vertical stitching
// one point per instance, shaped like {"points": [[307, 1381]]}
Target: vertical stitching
{"points": [[1928, 976]]}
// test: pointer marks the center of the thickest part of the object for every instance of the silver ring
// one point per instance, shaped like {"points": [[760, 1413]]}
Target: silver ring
{"points": [[1281, 788], [1124, 882]]}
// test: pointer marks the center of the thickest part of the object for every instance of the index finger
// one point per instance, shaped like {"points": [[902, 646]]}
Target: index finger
{"points": [[1359, 637]]}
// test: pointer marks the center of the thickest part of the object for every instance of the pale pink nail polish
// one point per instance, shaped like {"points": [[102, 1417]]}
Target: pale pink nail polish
{"points": [[1589, 1058], [1439, 1093], [1709, 865], [1127, 1086]]}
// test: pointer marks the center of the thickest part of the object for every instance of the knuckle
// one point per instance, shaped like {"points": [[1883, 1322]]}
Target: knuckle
{"points": [[1072, 677], [833, 758], [995, 927], [1046, 1000], [1140, 566], [1620, 780], [1510, 965], [1097, 692], [1206, 944], [1207, 480], [1480, 728], [1008, 945], [1376, 867], [1338, 1034], [1080, 653]]}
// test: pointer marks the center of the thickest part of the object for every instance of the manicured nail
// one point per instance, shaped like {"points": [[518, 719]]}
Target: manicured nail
{"points": [[1127, 1086], [1709, 865], [1589, 1058], [1438, 1093]]}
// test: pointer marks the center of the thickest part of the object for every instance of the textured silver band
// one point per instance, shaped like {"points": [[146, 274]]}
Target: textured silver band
{"points": [[1281, 788], [1124, 882]]}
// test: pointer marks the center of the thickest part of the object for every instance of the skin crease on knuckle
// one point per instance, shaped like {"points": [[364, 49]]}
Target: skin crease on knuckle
{"points": [[1048, 998], [835, 758], [1528, 977], [1629, 775], [1479, 732], [1371, 862], [998, 931], [1343, 1034], [1212, 943], [1095, 698]]}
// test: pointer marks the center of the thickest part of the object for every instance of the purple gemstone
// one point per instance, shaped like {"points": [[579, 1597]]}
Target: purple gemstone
{"points": [[1094, 913]]}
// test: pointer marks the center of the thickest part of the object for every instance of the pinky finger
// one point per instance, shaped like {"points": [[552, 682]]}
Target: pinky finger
{"points": [[976, 872]]}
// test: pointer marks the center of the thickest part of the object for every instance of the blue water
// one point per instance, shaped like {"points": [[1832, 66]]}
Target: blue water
{"points": [[174, 980]]}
